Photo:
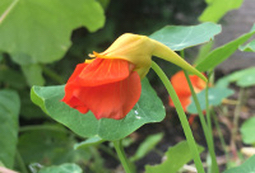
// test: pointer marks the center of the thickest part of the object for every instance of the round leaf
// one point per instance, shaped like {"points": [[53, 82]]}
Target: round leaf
{"points": [[181, 37], [247, 131], [148, 109], [39, 31], [215, 96]]}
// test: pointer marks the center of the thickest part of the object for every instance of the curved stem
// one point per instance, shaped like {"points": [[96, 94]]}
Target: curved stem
{"points": [[182, 117], [122, 156]]}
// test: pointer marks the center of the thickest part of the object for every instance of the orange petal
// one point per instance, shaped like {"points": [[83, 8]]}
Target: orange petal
{"points": [[75, 103], [180, 84], [69, 88], [103, 71], [113, 100]]}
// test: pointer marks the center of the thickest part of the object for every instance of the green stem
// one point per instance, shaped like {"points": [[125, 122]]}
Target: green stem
{"points": [[208, 116], [221, 137], [237, 113], [122, 156], [182, 117], [207, 132], [21, 163]]}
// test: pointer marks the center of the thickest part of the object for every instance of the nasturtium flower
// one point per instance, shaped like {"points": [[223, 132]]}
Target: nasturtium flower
{"points": [[182, 89], [109, 84]]}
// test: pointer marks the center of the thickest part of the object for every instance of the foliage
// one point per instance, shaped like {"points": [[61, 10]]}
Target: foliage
{"points": [[176, 157], [42, 41]]}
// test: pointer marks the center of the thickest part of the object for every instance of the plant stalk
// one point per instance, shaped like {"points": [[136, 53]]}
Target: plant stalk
{"points": [[182, 117], [122, 156]]}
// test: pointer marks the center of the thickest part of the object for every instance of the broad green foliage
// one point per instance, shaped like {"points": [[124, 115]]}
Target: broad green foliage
{"points": [[220, 54], [64, 168], [86, 125], [216, 9], [12, 78], [250, 47], [39, 31], [247, 167], [176, 157], [215, 97], [182, 37], [146, 146], [49, 145], [243, 78], [247, 131], [9, 113]]}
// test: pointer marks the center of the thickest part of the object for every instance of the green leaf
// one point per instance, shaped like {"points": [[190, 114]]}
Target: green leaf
{"points": [[9, 115], [33, 73], [64, 168], [243, 78], [88, 142], [86, 125], [181, 37], [216, 9], [247, 131], [250, 47], [215, 95], [146, 146], [247, 167], [39, 31], [12, 78], [176, 157], [49, 145], [203, 51], [220, 54]]}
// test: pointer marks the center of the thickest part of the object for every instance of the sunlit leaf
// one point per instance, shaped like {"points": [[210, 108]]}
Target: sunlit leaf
{"points": [[216, 9], [181, 37], [247, 131], [250, 47], [247, 167], [9, 116], [220, 54], [39, 31], [86, 125], [64, 168], [215, 96], [146, 146], [176, 157]]}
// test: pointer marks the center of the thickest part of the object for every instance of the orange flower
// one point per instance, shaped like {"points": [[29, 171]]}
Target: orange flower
{"points": [[182, 89], [108, 87], [109, 84]]}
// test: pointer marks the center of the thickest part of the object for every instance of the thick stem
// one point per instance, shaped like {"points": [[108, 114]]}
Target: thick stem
{"points": [[182, 117], [122, 156]]}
